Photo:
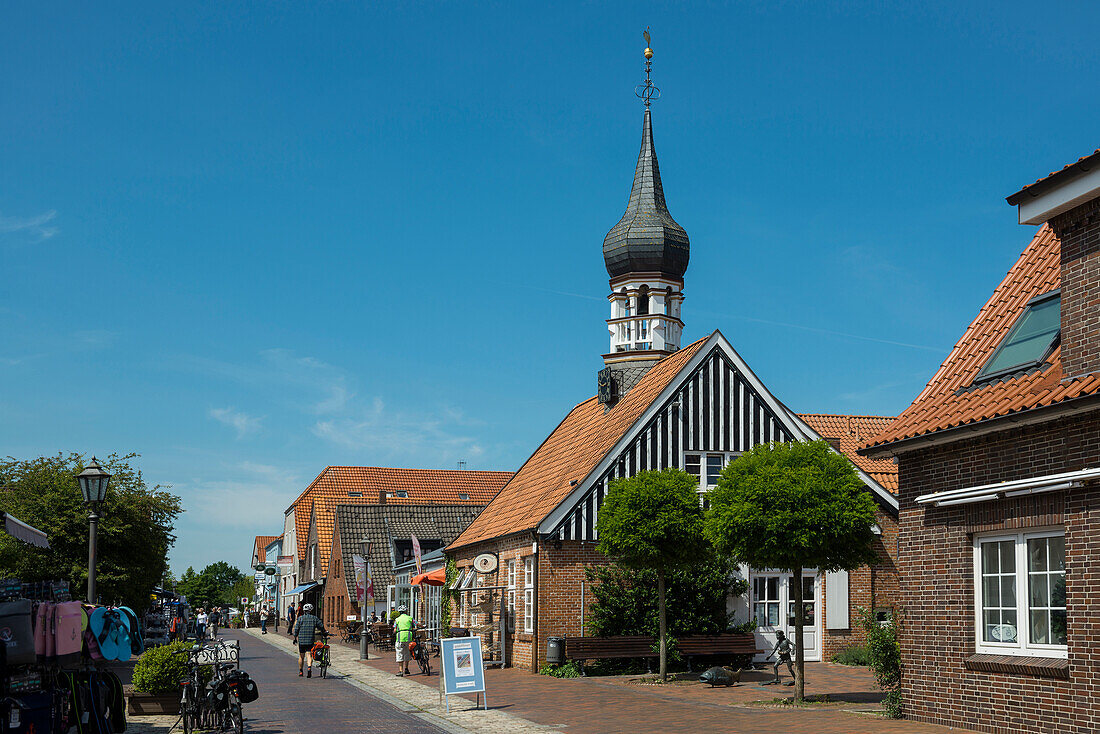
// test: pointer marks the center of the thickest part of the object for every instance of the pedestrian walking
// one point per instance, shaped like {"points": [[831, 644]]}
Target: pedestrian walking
{"points": [[263, 620], [403, 628], [212, 625], [244, 613], [200, 624], [291, 612], [305, 631]]}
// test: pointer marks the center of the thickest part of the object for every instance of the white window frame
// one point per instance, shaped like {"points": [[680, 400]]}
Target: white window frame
{"points": [[727, 457], [529, 595], [1023, 645], [512, 588]]}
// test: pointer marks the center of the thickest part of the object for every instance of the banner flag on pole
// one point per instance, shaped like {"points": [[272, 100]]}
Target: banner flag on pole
{"points": [[370, 587], [416, 553], [360, 577]]}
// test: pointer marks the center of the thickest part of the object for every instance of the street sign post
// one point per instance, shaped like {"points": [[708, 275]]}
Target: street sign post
{"points": [[463, 669]]}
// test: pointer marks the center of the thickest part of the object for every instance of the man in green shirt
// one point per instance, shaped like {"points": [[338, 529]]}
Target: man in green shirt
{"points": [[403, 626]]}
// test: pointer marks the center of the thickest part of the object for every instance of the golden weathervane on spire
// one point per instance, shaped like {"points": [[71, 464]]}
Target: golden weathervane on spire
{"points": [[647, 92]]}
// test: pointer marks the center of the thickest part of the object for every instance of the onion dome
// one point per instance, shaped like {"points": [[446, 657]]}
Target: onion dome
{"points": [[647, 239]]}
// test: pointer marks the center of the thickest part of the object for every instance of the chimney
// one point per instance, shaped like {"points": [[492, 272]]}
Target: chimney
{"points": [[1069, 201], [1079, 232], [381, 496]]}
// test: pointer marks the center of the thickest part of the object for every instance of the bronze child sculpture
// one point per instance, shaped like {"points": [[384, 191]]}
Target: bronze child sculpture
{"points": [[785, 648]]}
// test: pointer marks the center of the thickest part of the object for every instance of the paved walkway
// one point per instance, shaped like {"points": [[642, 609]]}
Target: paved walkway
{"points": [[522, 702]]}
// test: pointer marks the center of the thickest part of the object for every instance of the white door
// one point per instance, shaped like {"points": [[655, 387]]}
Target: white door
{"points": [[773, 609]]}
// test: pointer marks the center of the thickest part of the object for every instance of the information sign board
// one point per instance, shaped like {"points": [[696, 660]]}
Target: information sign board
{"points": [[463, 669]]}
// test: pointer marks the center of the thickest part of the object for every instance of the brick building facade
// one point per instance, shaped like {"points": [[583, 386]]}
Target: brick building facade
{"points": [[999, 459]]}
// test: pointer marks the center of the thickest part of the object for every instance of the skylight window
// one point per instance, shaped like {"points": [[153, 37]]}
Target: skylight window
{"points": [[1030, 340], [402, 493]]}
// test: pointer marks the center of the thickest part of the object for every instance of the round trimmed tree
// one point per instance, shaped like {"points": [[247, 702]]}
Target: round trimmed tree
{"points": [[653, 520], [792, 506]]}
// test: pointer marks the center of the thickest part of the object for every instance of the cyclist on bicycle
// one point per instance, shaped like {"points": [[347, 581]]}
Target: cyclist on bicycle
{"points": [[305, 630], [403, 627]]}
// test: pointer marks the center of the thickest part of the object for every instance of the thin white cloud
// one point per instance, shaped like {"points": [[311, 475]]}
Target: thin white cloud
{"points": [[428, 439], [241, 422], [37, 228]]}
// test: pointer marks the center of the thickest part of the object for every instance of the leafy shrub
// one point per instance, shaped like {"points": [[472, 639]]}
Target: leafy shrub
{"points": [[885, 658], [158, 670], [624, 601], [568, 670], [855, 655]]}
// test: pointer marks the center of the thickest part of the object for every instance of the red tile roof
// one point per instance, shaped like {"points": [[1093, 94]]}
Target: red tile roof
{"points": [[849, 432], [571, 452], [1083, 164], [361, 485], [949, 400], [262, 542]]}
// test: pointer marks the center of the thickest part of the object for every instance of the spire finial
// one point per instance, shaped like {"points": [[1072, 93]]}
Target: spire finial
{"points": [[649, 91]]}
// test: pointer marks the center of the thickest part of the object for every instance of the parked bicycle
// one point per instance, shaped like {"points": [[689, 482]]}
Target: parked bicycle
{"points": [[215, 706]]}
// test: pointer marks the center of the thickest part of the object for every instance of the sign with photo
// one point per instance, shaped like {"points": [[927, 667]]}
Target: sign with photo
{"points": [[463, 668]]}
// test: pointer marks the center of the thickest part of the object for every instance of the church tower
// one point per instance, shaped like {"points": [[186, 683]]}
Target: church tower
{"points": [[646, 255]]}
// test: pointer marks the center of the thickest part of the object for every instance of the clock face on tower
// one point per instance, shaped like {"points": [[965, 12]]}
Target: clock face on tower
{"points": [[605, 386]]}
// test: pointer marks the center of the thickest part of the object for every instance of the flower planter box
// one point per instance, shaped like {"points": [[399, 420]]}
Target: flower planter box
{"points": [[151, 704]]}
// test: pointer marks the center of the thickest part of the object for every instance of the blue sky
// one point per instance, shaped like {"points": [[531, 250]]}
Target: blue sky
{"points": [[251, 240]]}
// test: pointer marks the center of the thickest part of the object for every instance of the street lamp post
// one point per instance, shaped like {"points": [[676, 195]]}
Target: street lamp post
{"points": [[93, 486], [364, 551]]}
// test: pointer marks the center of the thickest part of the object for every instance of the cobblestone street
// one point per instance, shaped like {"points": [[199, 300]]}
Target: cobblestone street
{"points": [[520, 702]]}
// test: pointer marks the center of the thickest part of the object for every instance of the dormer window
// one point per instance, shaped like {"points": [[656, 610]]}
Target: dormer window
{"points": [[1030, 340]]}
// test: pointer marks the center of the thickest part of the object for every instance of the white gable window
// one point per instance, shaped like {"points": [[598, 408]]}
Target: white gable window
{"points": [[706, 467], [1020, 593]]}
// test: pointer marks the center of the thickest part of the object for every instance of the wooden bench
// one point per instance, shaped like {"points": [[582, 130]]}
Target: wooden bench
{"points": [[598, 648], [729, 646]]}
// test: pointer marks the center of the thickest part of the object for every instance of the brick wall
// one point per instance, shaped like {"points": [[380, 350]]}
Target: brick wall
{"points": [[516, 548], [935, 559], [1079, 231], [869, 587]]}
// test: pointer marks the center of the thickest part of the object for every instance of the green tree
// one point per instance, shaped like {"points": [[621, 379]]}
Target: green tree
{"points": [[243, 588], [623, 602], [213, 586], [793, 506], [653, 521], [135, 530]]}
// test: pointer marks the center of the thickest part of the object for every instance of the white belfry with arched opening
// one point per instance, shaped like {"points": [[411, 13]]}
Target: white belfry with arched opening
{"points": [[645, 315]]}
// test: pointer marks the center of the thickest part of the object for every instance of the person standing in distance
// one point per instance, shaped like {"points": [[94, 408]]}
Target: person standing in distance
{"points": [[403, 634], [200, 625], [305, 631]]}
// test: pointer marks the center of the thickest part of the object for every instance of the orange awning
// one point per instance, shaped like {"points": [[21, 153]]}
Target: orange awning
{"points": [[437, 577]]}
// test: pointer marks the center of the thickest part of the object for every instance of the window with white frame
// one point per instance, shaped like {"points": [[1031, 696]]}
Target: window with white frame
{"points": [[512, 593], [529, 595], [1020, 593], [706, 467]]}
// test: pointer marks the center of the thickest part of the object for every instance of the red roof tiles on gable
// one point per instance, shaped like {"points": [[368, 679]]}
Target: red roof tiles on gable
{"points": [[849, 432], [262, 542], [571, 452], [361, 485], [949, 400]]}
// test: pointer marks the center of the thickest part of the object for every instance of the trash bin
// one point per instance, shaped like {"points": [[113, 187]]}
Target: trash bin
{"points": [[555, 650]]}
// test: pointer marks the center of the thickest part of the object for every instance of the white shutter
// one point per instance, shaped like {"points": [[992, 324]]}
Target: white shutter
{"points": [[836, 600]]}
